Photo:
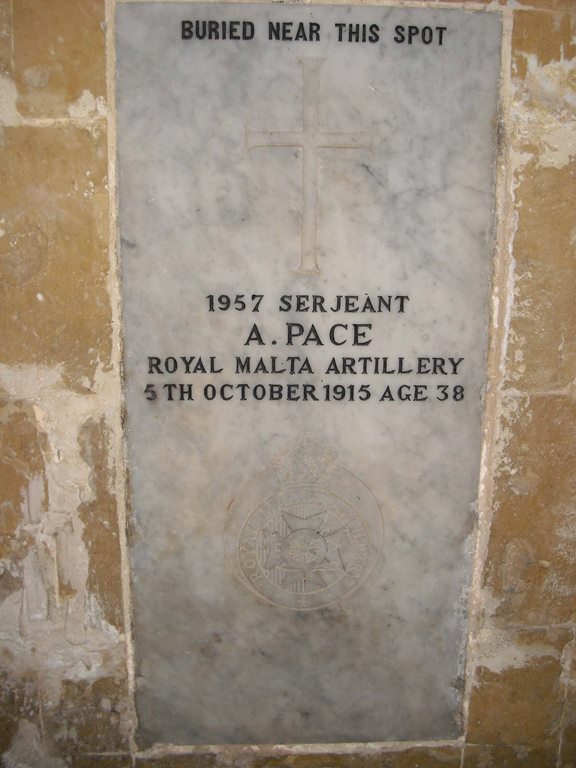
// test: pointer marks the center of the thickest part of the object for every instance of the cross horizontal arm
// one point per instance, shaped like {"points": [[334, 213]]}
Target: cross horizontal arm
{"points": [[273, 139], [355, 140]]}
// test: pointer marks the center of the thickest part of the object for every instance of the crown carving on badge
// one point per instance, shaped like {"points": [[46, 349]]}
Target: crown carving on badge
{"points": [[305, 461]]}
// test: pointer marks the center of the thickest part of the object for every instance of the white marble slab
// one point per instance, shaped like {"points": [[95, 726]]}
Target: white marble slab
{"points": [[300, 565]]}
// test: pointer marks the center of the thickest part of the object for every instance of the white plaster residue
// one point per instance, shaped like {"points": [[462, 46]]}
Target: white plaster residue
{"points": [[551, 84], [8, 95], [509, 408], [10, 609], [89, 190], [57, 626], [27, 750], [96, 619], [545, 114], [61, 414], [35, 596], [559, 145], [498, 651], [568, 658], [509, 301], [86, 106]]}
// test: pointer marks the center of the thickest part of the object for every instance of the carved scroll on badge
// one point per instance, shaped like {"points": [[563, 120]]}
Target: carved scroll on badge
{"points": [[305, 532]]}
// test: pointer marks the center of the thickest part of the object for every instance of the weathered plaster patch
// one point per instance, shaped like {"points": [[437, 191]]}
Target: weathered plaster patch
{"points": [[499, 650], [86, 106], [9, 114], [512, 403], [58, 52], [101, 534], [544, 114], [549, 36], [55, 621]]}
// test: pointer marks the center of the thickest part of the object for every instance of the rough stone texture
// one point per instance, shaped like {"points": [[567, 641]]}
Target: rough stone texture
{"points": [[59, 56], [62, 664], [18, 701], [546, 36], [179, 761], [87, 716], [530, 568], [22, 458], [421, 757], [5, 38], [53, 255], [567, 750], [522, 677], [541, 352], [521, 699], [63, 691], [544, 353], [410, 757], [549, 5], [103, 761], [507, 757]]}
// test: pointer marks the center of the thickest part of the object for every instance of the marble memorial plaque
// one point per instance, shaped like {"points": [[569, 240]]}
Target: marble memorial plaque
{"points": [[306, 199]]}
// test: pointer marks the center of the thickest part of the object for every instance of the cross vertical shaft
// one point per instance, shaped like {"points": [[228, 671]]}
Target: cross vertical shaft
{"points": [[311, 91]]}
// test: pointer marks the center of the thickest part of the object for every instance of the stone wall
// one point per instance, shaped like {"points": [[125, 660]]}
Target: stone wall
{"points": [[65, 643]]}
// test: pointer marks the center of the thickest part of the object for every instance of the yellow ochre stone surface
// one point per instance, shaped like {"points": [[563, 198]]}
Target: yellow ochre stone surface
{"points": [[59, 64], [64, 693], [547, 36], [543, 355], [507, 757], [21, 458], [5, 38], [520, 700], [530, 568], [519, 694], [54, 261], [548, 5], [567, 751], [387, 757]]}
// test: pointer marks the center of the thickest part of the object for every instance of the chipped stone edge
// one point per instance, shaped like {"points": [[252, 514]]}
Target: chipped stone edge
{"points": [[115, 292], [502, 299]]}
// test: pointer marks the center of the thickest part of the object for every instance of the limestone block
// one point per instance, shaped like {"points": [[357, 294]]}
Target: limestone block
{"points": [[519, 692], [59, 62], [55, 308]]}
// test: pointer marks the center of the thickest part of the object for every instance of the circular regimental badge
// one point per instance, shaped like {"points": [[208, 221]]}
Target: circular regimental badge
{"points": [[304, 545], [303, 548]]}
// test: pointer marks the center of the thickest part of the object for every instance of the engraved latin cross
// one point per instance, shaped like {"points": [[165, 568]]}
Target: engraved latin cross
{"points": [[310, 139]]}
